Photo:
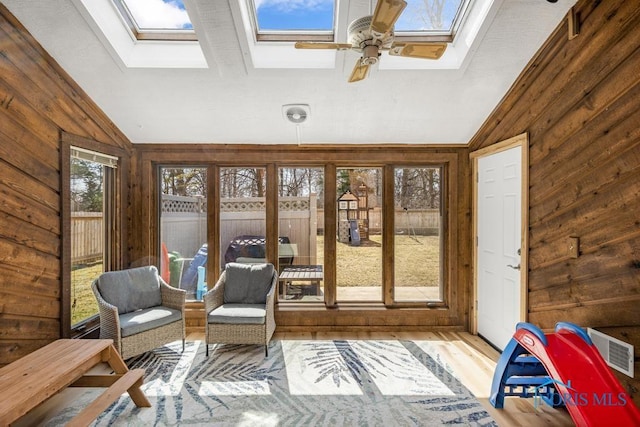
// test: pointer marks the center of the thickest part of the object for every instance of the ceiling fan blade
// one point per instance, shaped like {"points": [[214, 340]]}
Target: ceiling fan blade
{"points": [[360, 72], [386, 14], [419, 50], [320, 45]]}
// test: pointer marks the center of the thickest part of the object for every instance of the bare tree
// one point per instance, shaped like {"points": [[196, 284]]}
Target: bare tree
{"points": [[300, 182], [434, 12], [430, 13], [184, 181], [242, 182], [293, 182], [418, 188]]}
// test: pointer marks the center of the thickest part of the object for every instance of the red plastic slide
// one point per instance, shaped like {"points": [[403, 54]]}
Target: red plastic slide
{"points": [[591, 393]]}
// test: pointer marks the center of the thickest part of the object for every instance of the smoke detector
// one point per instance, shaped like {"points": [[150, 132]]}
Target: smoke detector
{"points": [[296, 113]]}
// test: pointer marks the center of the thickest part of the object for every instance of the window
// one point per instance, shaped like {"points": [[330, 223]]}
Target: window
{"points": [[116, 28], [430, 20], [359, 241], [418, 234], [157, 19], [301, 231], [389, 223], [243, 215], [289, 21], [91, 189], [183, 227]]}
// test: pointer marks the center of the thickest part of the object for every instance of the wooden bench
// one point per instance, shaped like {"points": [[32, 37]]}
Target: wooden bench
{"points": [[31, 380]]}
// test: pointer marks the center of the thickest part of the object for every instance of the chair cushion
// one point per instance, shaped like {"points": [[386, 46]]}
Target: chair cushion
{"points": [[150, 318], [132, 289], [246, 314], [247, 283], [245, 260]]}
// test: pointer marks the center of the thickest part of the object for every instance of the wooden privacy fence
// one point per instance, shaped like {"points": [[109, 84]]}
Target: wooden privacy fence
{"points": [[422, 222], [87, 244]]}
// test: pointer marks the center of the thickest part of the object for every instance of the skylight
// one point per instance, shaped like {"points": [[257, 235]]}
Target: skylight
{"points": [[128, 44], [282, 20], [157, 19], [429, 18], [267, 23]]}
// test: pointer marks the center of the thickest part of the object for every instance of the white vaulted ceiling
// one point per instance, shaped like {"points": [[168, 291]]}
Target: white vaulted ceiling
{"points": [[228, 89]]}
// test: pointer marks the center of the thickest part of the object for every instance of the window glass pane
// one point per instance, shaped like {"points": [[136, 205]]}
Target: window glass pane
{"points": [[359, 245], [153, 15], [242, 215], [418, 234], [183, 226], [301, 248], [87, 235], [436, 16], [274, 15]]}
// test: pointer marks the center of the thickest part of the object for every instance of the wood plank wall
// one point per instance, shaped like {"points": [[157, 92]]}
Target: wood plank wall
{"points": [[144, 245], [579, 101], [38, 101]]}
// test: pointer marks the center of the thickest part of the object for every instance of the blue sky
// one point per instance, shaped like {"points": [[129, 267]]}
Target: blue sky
{"points": [[295, 15], [288, 14], [159, 14], [318, 14]]}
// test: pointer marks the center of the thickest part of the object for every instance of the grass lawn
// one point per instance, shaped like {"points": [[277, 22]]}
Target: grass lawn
{"points": [[416, 262], [83, 302]]}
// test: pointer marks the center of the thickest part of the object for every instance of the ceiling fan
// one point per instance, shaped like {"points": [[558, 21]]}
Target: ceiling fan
{"points": [[373, 34]]}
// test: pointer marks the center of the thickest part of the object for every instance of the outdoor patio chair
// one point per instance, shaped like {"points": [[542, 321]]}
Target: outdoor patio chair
{"points": [[139, 311], [240, 307]]}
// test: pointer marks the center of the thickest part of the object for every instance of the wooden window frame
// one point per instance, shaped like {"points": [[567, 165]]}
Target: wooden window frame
{"points": [[330, 210], [115, 232], [444, 225], [451, 313]]}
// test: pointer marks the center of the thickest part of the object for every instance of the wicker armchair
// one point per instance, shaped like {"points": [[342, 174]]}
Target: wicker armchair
{"points": [[240, 307], [138, 310]]}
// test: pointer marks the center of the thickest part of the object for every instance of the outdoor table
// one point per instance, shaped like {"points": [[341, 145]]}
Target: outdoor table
{"points": [[300, 273]]}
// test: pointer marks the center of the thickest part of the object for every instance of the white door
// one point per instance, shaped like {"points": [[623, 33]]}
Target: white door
{"points": [[499, 234]]}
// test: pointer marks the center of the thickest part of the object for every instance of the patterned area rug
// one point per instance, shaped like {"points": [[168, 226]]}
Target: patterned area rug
{"points": [[300, 383]]}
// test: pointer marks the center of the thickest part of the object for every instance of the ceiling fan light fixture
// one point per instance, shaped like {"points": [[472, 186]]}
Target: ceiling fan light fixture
{"points": [[296, 113], [370, 55], [373, 34]]}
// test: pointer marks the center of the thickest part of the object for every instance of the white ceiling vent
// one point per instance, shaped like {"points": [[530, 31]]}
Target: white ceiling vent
{"points": [[296, 113], [618, 354]]}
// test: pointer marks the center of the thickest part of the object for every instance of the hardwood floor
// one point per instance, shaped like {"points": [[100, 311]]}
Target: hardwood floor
{"points": [[473, 361], [471, 358]]}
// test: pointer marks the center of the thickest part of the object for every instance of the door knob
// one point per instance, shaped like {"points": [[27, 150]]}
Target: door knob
{"points": [[515, 267]]}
